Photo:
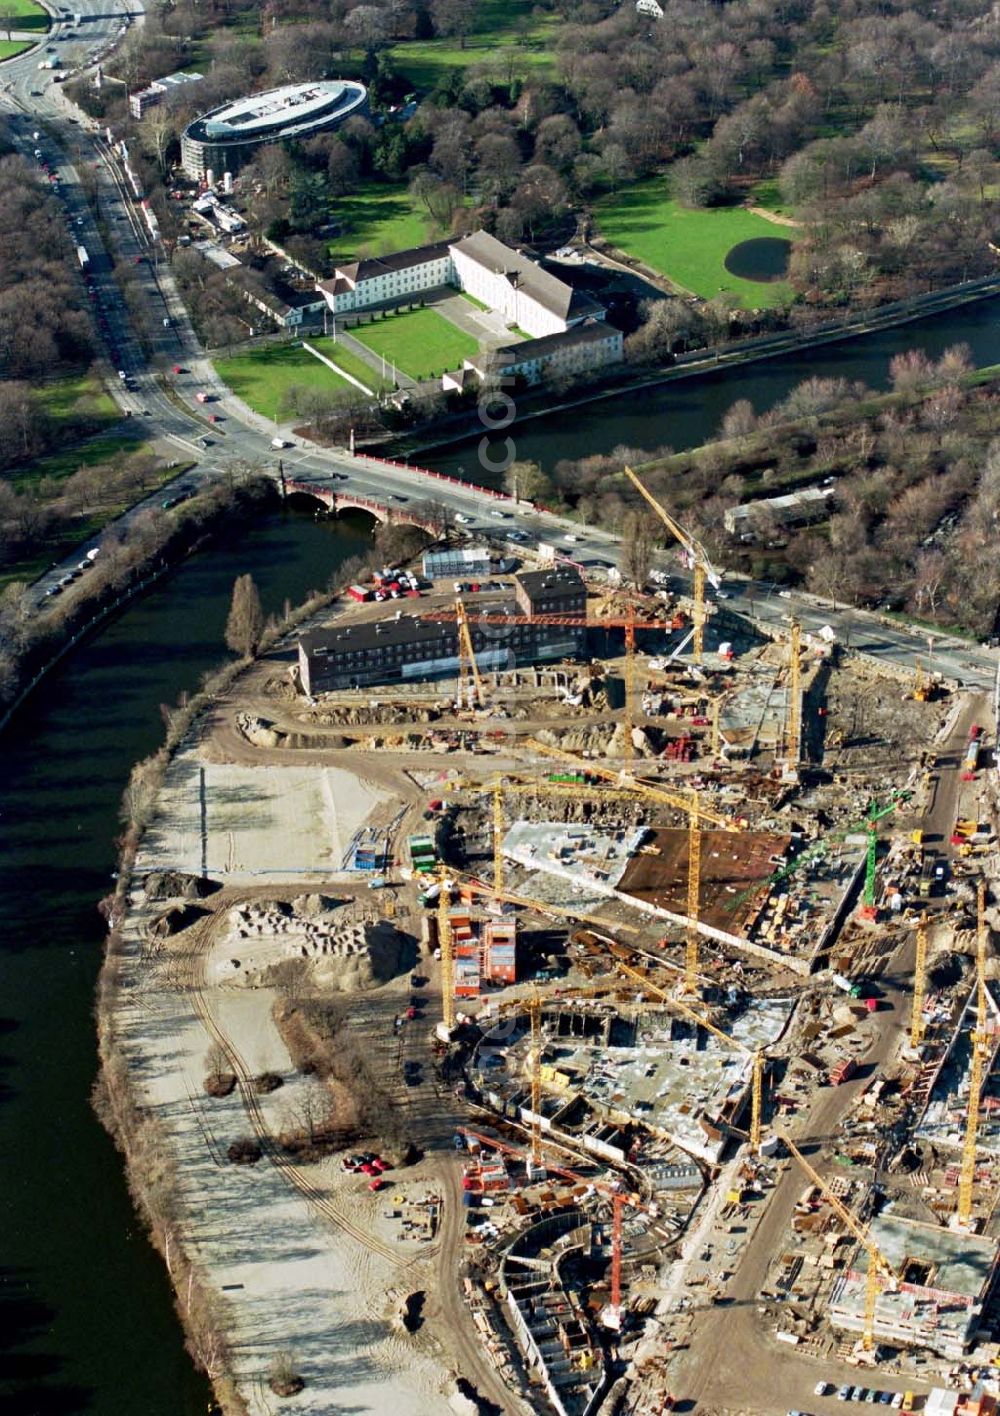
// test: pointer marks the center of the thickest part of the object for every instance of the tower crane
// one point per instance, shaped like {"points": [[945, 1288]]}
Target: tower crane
{"points": [[535, 1015], [979, 1040], [464, 619], [702, 568], [447, 958], [470, 690], [695, 813], [480, 887], [693, 898], [793, 706], [819, 847], [692, 1014], [880, 1271], [625, 779], [919, 983], [498, 791]]}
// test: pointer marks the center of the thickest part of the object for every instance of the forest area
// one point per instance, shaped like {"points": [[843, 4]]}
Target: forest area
{"points": [[912, 518], [873, 127]]}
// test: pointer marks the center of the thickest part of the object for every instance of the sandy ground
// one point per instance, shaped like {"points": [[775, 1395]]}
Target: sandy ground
{"points": [[291, 1261], [249, 823]]}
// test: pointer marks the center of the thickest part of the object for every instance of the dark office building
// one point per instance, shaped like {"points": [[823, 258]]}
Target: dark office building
{"points": [[559, 591], [409, 648]]}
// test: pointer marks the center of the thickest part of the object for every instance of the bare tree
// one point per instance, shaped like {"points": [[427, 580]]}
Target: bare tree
{"points": [[245, 624], [639, 540]]}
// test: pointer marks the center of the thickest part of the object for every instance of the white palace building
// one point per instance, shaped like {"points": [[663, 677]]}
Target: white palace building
{"points": [[479, 265]]}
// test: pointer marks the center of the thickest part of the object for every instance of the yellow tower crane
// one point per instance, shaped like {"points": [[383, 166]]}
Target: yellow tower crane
{"points": [[919, 983], [701, 566], [480, 887], [470, 690], [535, 1014], [756, 1057], [967, 1174], [638, 784], [447, 956], [693, 898], [696, 813], [498, 794], [793, 707], [880, 1271]]}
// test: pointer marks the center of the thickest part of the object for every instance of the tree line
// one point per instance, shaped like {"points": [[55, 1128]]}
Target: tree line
{"points": [[877, 126]]}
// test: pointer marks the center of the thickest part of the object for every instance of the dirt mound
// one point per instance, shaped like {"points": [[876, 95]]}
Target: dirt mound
{"points": [[176, 919], [177, 885], [314, 933]]}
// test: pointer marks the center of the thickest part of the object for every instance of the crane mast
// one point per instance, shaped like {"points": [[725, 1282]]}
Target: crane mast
{"points": [[793, 708], [692, 1014], [535, 1015], [919, 984], [879, 1269], [447, 960], [701, 566], [967, 1175], [693, 899]]}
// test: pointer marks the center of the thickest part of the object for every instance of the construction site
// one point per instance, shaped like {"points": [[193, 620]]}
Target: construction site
{"points": [[668, 942]]}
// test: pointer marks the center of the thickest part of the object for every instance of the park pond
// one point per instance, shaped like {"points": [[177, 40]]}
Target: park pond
{"points": [[765, 258]]}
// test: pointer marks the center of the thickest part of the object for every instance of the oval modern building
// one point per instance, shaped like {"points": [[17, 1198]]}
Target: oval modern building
{"points": [[228, 136]]}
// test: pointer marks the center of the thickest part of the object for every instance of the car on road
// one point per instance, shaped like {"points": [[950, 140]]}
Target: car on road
{"points": [[784, 594], [723, 595], [499, 515], [205, 442], [571, 538], [461, 519]]}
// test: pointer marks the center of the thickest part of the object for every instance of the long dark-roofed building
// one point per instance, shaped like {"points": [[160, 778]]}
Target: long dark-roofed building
{"points": [[408, 647]]}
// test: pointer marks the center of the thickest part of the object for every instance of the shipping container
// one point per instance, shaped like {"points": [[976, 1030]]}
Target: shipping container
{"points": [[358, 593]]}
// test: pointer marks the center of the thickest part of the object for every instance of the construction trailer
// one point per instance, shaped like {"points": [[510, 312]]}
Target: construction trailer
{"points": [[500, 951]]}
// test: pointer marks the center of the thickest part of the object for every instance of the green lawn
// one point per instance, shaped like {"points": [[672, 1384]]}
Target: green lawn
{"points": [[64, 463], [507, 35], [350, 363], [420, 342], [11, 48], [767, 193], [61, 398], [24, 15], [378, 220], [689, 247], [262, 377]]}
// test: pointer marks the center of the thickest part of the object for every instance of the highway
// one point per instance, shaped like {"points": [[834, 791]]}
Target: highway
{"points": [[70, 143]]}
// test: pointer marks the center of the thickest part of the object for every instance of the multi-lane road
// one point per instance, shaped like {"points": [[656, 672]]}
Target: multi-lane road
{"points": [[101, 212]]}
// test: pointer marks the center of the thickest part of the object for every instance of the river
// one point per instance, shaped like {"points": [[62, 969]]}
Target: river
{"points": [[686, 412], [86, 1317]]}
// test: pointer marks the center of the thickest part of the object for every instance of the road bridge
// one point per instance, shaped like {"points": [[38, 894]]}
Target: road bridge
{"points": [[337, 501]]}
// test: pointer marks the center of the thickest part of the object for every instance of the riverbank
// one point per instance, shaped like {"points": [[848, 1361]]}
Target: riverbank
{"points": [[700, 363], [167, 998]]}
